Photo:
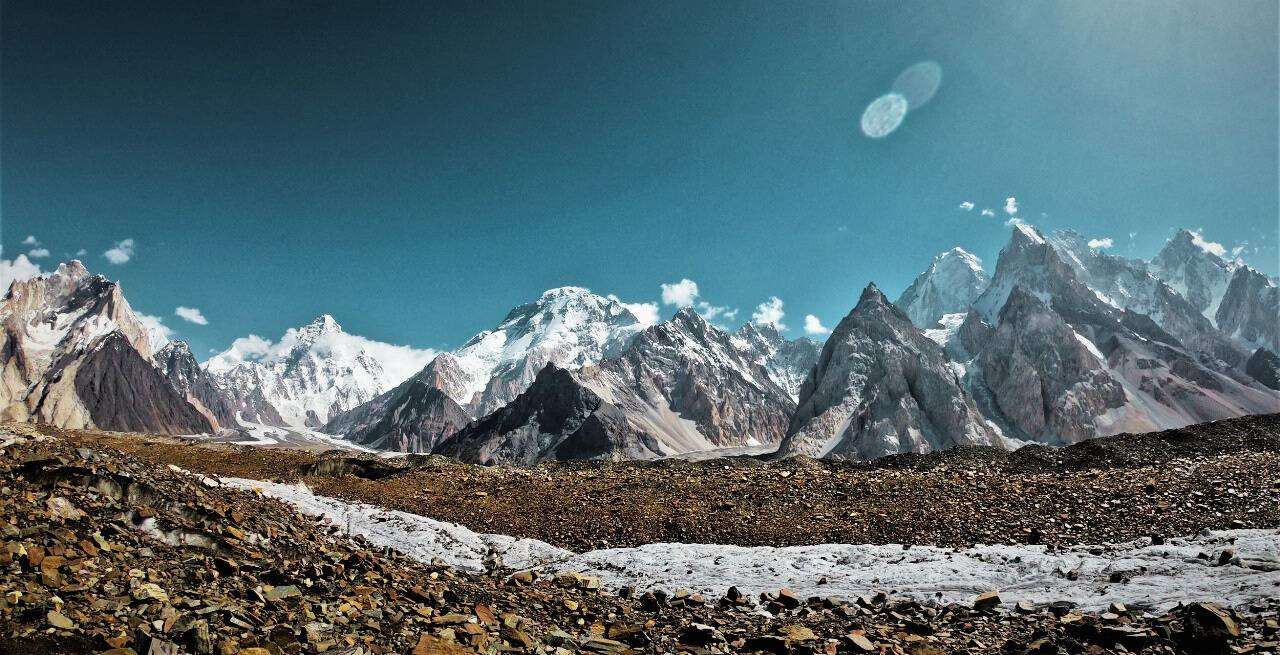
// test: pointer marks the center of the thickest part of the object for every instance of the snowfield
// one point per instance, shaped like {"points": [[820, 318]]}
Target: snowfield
{"points": [[1138, 574]]}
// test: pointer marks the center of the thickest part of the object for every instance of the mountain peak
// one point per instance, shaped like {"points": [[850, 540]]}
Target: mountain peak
{"points": [[179, 347], [1025, 234], [323, 324], [73, 269], [689, 318], [566, 292], [873, 295]]}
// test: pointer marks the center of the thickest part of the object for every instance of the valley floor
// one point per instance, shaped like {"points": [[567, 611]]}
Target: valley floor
{"points": [[128, 541], [1223, 475]]}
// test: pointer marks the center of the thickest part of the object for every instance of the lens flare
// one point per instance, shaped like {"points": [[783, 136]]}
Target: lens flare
{"points": [[918, 83], [884, 115]]}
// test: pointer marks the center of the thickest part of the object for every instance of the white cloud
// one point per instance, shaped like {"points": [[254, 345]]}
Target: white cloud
{"points": [[248, 348], [399, 362], [647, 312], [1014, 221], [769, 312], [160, 333], [31, 240], [81, 252], [191, 315], [1098, 244], [684, 294], [710, 311], [814, 326], [1197, 238], [20, 268], [987, 212], [967, 206], [38, 252], [1011, 205], [121, 253], [1239, 249], [681, 294]]}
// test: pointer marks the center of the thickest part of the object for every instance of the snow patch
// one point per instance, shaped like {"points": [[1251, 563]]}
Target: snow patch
{"points": [[1157, 577]]}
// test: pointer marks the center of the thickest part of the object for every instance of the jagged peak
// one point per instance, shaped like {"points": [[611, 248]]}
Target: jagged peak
{"points": [[1025, 234], [959, 254], [690, 318], [872, 295], [323, 324], [73, 269], [179, 346]]}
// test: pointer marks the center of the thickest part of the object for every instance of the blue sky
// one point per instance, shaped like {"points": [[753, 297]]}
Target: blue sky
{"points": [[417, 169]]}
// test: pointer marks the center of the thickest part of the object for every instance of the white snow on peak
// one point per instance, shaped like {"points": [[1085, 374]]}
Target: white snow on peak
{"points": [[1028, 230], [317, 370], [568, 326], [953, 280]]}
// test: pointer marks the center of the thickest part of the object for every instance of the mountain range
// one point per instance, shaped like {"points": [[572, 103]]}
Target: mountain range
{"points": [[1061, 343]]}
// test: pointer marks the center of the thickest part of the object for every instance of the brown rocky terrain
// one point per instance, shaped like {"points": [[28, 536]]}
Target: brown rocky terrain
{"points": [[1215, 475], [105, 551]]}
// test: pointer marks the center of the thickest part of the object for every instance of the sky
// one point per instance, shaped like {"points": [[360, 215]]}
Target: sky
{"points": [[416, 169]]}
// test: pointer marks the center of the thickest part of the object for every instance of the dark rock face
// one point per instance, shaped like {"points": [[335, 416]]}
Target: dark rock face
{"points": [[1250, 309], [193, 383], [691, 369], [682, 386], [423, 417], [390, 412], [1166, 383], [975, 333], [1264, 366], [1046, 383], [124, 392], [882, 387], [556, 418]]}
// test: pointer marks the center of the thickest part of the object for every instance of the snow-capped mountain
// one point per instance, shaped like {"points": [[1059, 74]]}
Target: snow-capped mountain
{"points": [[74, 354], [313, 374], [188, 378], [882, 387], [682, 386], [567, 326], [952, 282], [1165, 383], [556, 418], [787, 361], [1194, 271], [1128, 284], [687, 383], [1250, 309]]}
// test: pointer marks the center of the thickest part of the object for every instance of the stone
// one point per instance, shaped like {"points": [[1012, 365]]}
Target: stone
{"points": [[862, 644], [1208, 628], [986, 600], [282, 592], [429, 645], [797, 633], [150, 591], [58, 620]]}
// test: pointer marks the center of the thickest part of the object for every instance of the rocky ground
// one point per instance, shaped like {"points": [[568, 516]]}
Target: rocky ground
{"points": [[105, 551], [1218, 475]]}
